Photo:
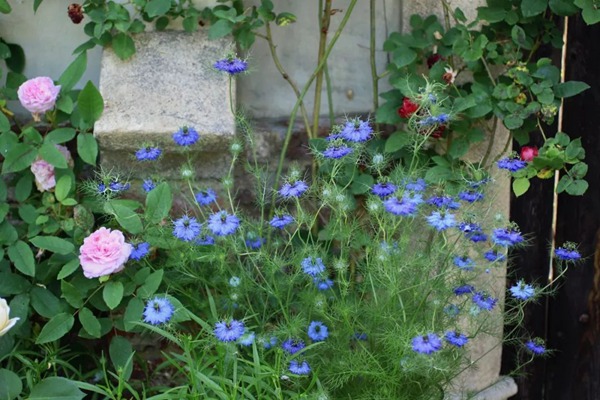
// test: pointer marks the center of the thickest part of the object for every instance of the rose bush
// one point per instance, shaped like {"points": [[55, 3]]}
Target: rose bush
{"points": [[38, 95], [43, 171], [104, 252]]}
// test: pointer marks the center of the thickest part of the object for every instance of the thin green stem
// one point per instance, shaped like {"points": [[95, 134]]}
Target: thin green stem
{"points": [[372, 49], [325, 19]]}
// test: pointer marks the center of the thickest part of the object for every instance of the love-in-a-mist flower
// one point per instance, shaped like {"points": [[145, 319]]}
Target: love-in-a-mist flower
{"points": [[295, 189], [204, 240], [427, 344], [255, 243], [567, 252], [400, 207], [38, 95], [473, 231], [323, 283], [206, 197], [247, 339], [357, 131], [456, 339], [268, 342], [158, 310], [383, 189], [6, 323], [493, 256], [444, 202], [464, 263], [408, 108], [186, 136], [528, 153], [186, 228], [229, 331], [484, 301], [292, 346], [337, 151], [470, 196], [463, 289], [317, 331], [148, 153], [536, 346], [104, 252], [222, 223], [281, 221], [507, 237], [441, 220], [231, 65], [418, 185], [140, 251], [148, 185], [312, 266], [522, 291], [511, 164], [299, 368]]}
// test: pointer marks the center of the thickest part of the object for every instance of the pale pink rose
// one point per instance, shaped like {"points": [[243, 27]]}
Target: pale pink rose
{"points": [[38, 95], [104, 252], [43, 171]]}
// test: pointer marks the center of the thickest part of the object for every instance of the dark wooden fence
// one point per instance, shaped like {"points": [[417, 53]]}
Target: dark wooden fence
{"points": [[570, 320]]}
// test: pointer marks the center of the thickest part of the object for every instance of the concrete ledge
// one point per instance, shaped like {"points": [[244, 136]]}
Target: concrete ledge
{"points": [[503, 389]]}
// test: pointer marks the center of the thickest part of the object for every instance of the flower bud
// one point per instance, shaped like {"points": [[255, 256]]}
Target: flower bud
{"points": [[5, 322]]}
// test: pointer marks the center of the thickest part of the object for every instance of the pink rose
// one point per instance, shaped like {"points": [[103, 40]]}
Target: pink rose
{"points": [[38, 95], [43, 171], [528, 153], [104, 252]]}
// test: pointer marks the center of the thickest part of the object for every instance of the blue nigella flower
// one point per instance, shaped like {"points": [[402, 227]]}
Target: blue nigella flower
{"points": [[295, 189], [323, 283], [484, 301], [416, 186], [313, 266], [268, 343], [451, 310], [536, 346], [470, 196], [299, 368], [117, 186], [359, 336], [357, 131], [140, 251], [222, 223], [441, 119], [383, 189], [234, 281], [231, 65], [400, 206], [255, 243], [148, 153], [456, 339], [317, 331], [337, 151], [511, 164], [246, 339], [204, 240], [413, 198], [494, 256], [441, 221], [506, 237], [522, 291], [206, 197], [101, 188], [186, 136], [229, 331], [464, 263], [292, 346], [148, 185], [567, 253], [281, 221], [473, 231], [444, 201], [427, 121], [158, 310], [427, 344], [463, 289], [186, 228]]}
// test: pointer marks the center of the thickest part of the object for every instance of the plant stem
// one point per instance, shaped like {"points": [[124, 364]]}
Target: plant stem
{"points": [[372, 44], [323, 27]]}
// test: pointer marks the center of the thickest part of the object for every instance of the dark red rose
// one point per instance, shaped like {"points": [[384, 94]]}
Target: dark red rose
{"points": [[408, 108], [528, 153], [432, 59]]}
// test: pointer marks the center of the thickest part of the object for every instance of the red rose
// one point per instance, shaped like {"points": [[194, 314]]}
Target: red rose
{"points": [[439, 132], [408, 108], [432, 59], [528, 153]]}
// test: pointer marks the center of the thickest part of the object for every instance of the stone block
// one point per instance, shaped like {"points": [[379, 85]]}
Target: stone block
{"points": [[167, 84]]}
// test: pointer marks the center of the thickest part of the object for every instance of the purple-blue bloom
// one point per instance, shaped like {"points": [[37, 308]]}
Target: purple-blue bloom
{"points": [[158, 310], [427, 344], [186, 136], [317, 331], [255, 243], [511, 164], [117, 186], [493, 256], [463, 289], [444, 201], [323, 283], [292, 346], [484, 301], [204, 240], [536, 346], [442, 118], [416, 186], [456, 339], [566, 253], [383, 189], [313, 266], [506, 237], [441, 220], [400, 206], [267, 344], [231, 65], [464, 263], [522, 291], [356, 131], [413, 198], [140, 251], [222, 223], [205, 197], [295, 189], [229, 331], [337, 151], [281, 221], [186, 228], [148, 153], [148, 185], [470, 196], [299, 368], [247, 339]]}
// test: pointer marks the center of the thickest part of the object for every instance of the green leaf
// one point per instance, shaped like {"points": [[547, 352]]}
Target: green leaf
{"points": [[121, 352], [89, 322], [154, 8], [73, 73], [125, 216], [50, 153], [44, 302], [60, 135], [219, 29], [513, 122], [11, 284], [68, 268], [403, 56], [10, 385], [190, 24], [22, 257], [439, 174], [520, 186], [491, 14], [590, 12], [5, 8], [158, 203], [53, 244], [56, 388], [571, 88], [36, 5], [361, 184], [519, 37], [16, 61], [90, 103], [23, 187], [564, 8], [577, 188], [579, 170], [123, 45], [65, 104], [113, 294], [71, 294], [19, 157], [56, 328], [530, 8], [87, 148], [4, 123], [63, 187], [459, 147], [151, 285], [398, 140], [133, 313]]}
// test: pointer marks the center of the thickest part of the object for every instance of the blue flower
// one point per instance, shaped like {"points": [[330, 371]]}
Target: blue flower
{"points": [[222, 223], [292, 346], [416, 186], [204, 240], [464, 263], [205, 197], [158, 310], [337, 151], [522, 290], [511, 164], [427, 121], [484, 301], [140, 251], [567, 252], [400, 206], [413, 198], [473, 231], [383, 189], [234, 281], [299, 368], [444, 201], [186, 136], [317, 331], [255, 243], [470, 196], [441, 221], [229, 331], [231, 65], [506, 237], [357, 131], [148, 153], [323, 283], [359, 336], [246, 339], [295, 189], [267, 344], [117, 186], [536, 346], [281, 221], [463, 289], [441, 119], [186, 228], [427, 344], [148, 185], [494, 256], [313, 266], [456, 339], [451, 310]]}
